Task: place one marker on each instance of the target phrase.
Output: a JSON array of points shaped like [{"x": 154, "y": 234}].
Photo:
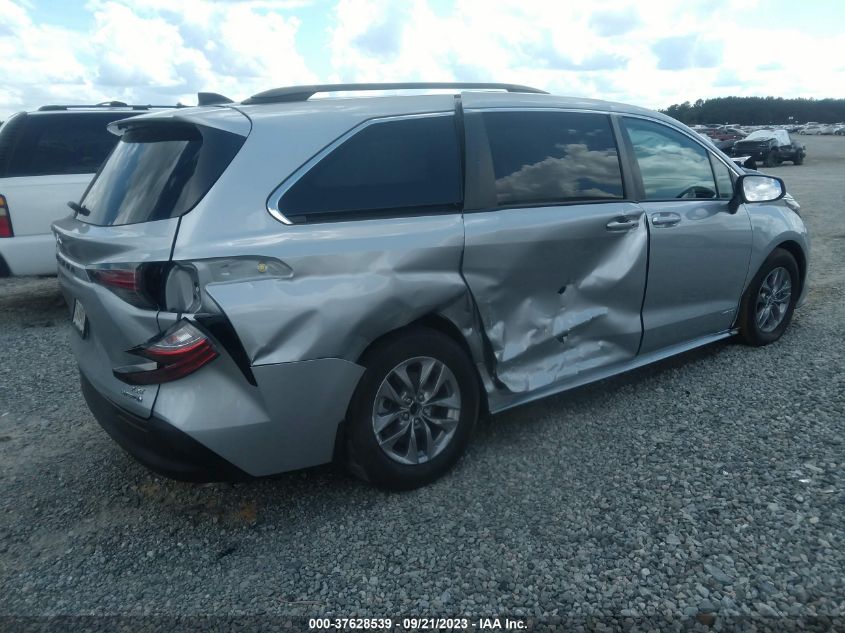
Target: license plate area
[{"x": 80, "y": 319}]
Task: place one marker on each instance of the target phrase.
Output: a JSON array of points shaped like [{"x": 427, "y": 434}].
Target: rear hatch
[{"x": 114, "y": 253}]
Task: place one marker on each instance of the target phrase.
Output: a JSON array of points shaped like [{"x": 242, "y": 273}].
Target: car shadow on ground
[{"x": 282, "y": 497}]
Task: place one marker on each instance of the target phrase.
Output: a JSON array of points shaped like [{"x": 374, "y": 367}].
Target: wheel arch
[
  {"x": 446, "y": 326},
  {"x": 793, "y": 248}
]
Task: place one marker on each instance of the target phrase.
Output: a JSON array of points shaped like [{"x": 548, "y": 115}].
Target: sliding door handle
[{"x": 622, "y": 224}]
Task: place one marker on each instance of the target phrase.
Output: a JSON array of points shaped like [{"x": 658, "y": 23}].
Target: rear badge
[{"x": 136, "y": 393}]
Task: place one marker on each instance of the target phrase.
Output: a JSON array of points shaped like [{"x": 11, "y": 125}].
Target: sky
[{"x": 651, "y": 54}]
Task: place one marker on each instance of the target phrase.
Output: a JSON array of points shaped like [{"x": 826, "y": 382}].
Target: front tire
[
  {"x": 769, "y": 302},
  {"x": 414, "y": 410}
]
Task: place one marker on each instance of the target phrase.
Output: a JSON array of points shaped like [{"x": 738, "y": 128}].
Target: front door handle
[
  {"x": 665, "y": 219},
  {"x": 622, "y": 223}
]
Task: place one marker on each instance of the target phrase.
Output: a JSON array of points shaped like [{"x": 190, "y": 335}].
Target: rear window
[
  {"x": 56, "y": 143},
  {"x": 158, "y": 171},
  {"x": 404, "y": 164}
]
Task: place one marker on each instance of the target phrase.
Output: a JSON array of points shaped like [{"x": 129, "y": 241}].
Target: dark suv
[{"x": 770, "y": 147}]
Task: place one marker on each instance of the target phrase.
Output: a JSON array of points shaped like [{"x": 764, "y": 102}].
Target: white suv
[{"x": 48, "y": 157}]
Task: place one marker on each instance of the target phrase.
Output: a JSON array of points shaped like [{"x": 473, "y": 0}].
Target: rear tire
[
  {"x": 799, "y": 159},
  {"x": 414, "y": 410},
  {"x": 769, "y": 301},
  {"x": 770, "y": 160}
]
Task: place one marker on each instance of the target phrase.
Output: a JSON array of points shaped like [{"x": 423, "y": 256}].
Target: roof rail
[
  {"x": 104, "y": 104},
  {"x": 303, "y": 93}
]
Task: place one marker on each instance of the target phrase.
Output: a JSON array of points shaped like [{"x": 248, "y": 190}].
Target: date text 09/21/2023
[{"x": 418, "y": 624}]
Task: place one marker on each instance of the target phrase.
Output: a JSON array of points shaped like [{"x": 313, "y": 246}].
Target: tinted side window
[
  {"x": 401, "y": 164},
  {"x": 724, "y": 182},
  {"x": 75, "y": 143},
  {"x": 672, "y": 165},
  {"x": 548, "y": 157}
]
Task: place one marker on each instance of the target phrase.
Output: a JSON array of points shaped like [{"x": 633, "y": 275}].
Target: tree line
[{"x": 758, "y": 110}]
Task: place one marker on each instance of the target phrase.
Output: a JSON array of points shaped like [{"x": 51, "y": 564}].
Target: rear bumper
[{"x": 158, "y": 445}]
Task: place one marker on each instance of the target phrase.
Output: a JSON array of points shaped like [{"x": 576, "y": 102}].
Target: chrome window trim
[{"x": 277, "y": 194}]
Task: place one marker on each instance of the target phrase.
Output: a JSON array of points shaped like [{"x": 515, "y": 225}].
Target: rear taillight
[
  {"x": 5, "y": 219},
  {"x": 180, "y": 351},
  {"x": 138, "y": 284}
]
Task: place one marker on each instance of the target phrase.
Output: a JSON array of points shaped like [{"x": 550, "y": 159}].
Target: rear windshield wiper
[{"x": 78, "y": 208}]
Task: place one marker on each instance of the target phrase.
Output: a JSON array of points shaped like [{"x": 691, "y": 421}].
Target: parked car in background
[
  {"x": 726, "y": 134},
  {"x": 839, "y": 130},
  {"x": 770, "y": 147},
  {"x": 268, "y": 286},
  {"x": 48, "y": 157},
  {"x": 725, "y": 146}
]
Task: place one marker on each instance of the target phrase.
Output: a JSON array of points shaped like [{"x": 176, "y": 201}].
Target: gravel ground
[{"x": 708, "y": 489}]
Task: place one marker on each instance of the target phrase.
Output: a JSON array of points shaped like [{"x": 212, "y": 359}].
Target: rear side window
[
  {"x": 158, "y": 171},
  {"x": 671, "y": 164},
  {"x": 549, "y": 157},
  {"x": 405, "y": 164},
  {"x": 56, "y": 143}
]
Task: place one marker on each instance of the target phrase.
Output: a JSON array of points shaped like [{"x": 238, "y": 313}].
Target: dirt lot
[{"x": 711, "y": 486}]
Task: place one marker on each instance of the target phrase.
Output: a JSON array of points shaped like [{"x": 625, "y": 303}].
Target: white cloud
[
  {"x": 651, "y": 54},
  {"x": 149, "y": 51}
]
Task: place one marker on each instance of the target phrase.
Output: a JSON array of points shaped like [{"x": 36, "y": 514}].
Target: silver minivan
[{"x": 269, "y": 285}]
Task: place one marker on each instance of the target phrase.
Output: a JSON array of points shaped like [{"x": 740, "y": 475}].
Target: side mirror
[{"x": 756, "y": 188}]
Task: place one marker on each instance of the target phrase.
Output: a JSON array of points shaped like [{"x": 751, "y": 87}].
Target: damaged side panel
[
  {"x": 369, "y": 278},
  {"x": 305, "y": 303},
  {"x": 559, "y": 294}
]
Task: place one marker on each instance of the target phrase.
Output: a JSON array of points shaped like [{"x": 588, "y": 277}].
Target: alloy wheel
[
  {"x": 773, "y": 299},
  {"x": 416, "y": 410}
]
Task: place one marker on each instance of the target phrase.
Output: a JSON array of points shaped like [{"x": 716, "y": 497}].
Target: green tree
[{"x": 758, "y": 110}]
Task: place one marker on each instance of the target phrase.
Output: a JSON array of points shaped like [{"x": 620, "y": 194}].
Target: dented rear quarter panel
[{"x": 351, "y": 283}]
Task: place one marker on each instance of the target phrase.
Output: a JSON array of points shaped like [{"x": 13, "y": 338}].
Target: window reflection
[
  {"x": 552, "y": 157},
  {"x": 579, "y": 173},
  {"x": 671, "y": 165}
]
